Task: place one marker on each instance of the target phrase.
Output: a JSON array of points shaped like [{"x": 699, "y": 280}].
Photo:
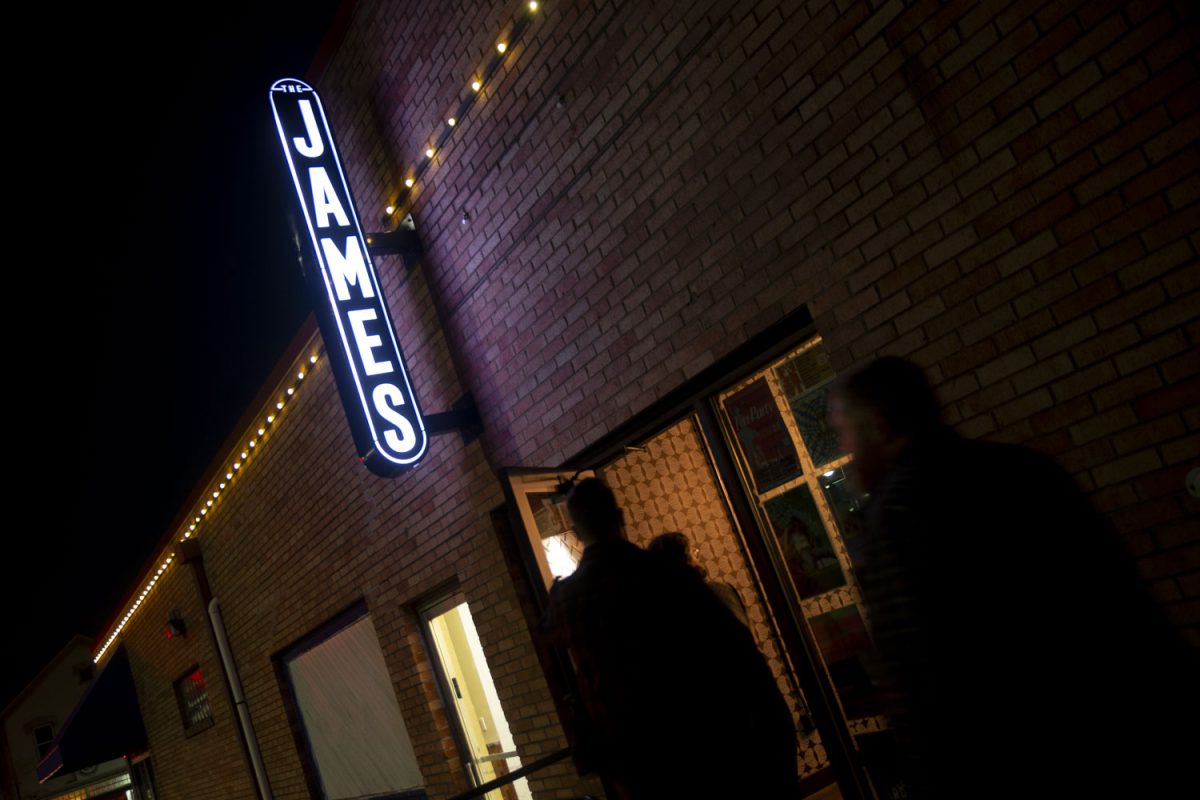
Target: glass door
[
  {"x": 793, "y": 469},
  {"x": 467, "y": 682}
]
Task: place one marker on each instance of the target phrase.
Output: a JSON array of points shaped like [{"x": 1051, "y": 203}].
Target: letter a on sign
[{"x": 355, "y": 324}]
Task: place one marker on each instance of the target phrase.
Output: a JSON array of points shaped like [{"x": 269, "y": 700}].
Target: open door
[{"x": 538, "y": 503}]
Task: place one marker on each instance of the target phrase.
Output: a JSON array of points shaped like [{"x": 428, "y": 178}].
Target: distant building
[
  {"x": 652, "y": 234},
  {"x": 35, "y": 717}
]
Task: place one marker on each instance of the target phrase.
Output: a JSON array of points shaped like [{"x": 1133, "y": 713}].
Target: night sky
[{"x": 152, "y": 284}]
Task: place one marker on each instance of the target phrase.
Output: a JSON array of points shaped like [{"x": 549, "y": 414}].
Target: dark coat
[
  {"x": 680, "y": 701},
  {"x": 1018, "y": 650}
]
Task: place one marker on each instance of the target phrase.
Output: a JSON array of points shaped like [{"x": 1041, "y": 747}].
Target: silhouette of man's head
[
  {"x": 594, "y": 511},
  {"x": 878, "y": 409},
  {"x": 675, "y": 546}
]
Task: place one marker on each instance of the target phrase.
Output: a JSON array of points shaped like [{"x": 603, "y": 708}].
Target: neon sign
[{"x": 369, "y": 366}]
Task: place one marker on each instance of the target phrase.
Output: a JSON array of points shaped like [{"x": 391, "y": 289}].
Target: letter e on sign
[{"x": 355, "y": 324}]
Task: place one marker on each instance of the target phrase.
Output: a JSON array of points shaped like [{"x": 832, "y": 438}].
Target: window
[
  {"x": 467, "y": 682},
  {"x": 356, "y": 737},
  {"x": 192, "y": 696},
  {"x": 43, "y": 738},
  {"x": 793, "y": 468}
]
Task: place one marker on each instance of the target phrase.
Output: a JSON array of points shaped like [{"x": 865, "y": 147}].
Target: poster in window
[
  {"x": 811, "y": 560},
  {"x": 763, "y": 436},
  {"x": 797, "y": 378},
  {"x": 842, "y": 638}
]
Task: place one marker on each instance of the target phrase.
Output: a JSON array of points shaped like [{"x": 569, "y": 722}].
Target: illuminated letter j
[{"x": 310, "y": 126}]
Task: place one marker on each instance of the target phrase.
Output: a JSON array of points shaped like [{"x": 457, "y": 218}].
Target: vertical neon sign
[{"x": 355, "y": 324}]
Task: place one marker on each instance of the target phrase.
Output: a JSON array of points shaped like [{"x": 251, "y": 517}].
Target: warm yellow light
[
  {"x": 279, "y": 405},
  {"x": 291, "y": 391},
  {"x": 236, "y": 465},
  {"x": 187, "y": 534},
  {"x": 476, "y": 85},
  {"x": 299, "y": 376},
  {"x": 408, "y": 182},
  {"x": 312, "y": 359},
  {"x": 192, "y": 527},
  {"x": 390, "y": 209},
  {"x": 451, "y": 122},
  {"x": 429, "y": 152},
  {"x": 203, "y": 511},
  {"x": 501, "y": 47},
  {"x": 261, "y": 431},
  {"x": 532, "y": 5},
  {"x": 228, "y": 476},
  {"x": 270, "y": 418},
  {"x": 244, "y": 455}
]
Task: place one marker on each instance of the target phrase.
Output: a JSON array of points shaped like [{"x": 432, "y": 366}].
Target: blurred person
[{"x": 1018, "y": 652}]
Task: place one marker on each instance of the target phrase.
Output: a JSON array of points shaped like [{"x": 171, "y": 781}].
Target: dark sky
[{"x": 151, "y": 284}]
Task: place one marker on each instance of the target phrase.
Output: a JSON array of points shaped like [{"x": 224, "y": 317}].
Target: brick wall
[{"x": 1004, "y": 192}]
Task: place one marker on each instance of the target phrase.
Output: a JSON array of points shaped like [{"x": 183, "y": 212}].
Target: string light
[
  {"x": 532, "y": 5},
  {"x": 390, "y": 210},
  {"x": 476, "y": 85},
  {"x": 429, "y": 152},
  {"x": 501, "y": 47},
  {"x": 451, "y": 122},
  {"x": 409, "y": 181}
]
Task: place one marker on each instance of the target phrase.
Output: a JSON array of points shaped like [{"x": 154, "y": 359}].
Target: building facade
[{"x": 653, "y": 233}]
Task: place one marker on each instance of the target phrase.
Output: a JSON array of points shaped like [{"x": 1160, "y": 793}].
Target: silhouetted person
[
  {"x": 1018, "y": 652},
  {"x": 674, "y": 545},
  {"x": 680, "y": 701}
]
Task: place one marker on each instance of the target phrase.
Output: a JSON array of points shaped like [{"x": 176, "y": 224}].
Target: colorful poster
[
  {"x": 763, "y": 436},
  {"x": 810, "y": 557}
]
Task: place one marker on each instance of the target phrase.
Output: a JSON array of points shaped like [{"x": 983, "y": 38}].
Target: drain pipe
[{"x": 239, "y": 699}]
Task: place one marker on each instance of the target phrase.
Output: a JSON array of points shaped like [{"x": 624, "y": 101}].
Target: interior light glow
[
  {"x": 501, "y": 47},
  {"x": 829, "y": 474},
  {"x": 476, "y": 85}
]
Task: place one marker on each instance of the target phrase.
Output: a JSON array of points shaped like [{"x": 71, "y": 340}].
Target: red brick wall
[{"x": 1004, "y": 192}]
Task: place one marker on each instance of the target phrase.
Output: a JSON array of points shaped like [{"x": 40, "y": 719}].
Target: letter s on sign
[{"x": 403, "y": 437}]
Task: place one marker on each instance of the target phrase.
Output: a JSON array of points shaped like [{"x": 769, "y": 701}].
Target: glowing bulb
[
  {"x": 270, "y": 418},
  {"x": 408, "y": 182},
  {"x": 187, "y": 535},
  {"x": 203, "y": 511},
  {"x": 209, "y": 503},
  {"x": 299, "y": 376},
  {"x": 390, "y": 210},
  {"x": 192, "y": 527},
  {"x": 532, "y": 5},
  {"x": 291, "y": 391},
  {"x": 312, "y": 359},
  {"x": 214, "y": 494},
  {"x": 429, "y": 152},
  {"x": 501, "y": 47},
  {"x": 476, "y": 85},
  {"x": 245, "y": 455},
  {"x": 197, "y": 519},
  {"x": 237, "y": 465},
  {"x": 451, "y": 122},
  {"x": 279, "y": 405}
]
